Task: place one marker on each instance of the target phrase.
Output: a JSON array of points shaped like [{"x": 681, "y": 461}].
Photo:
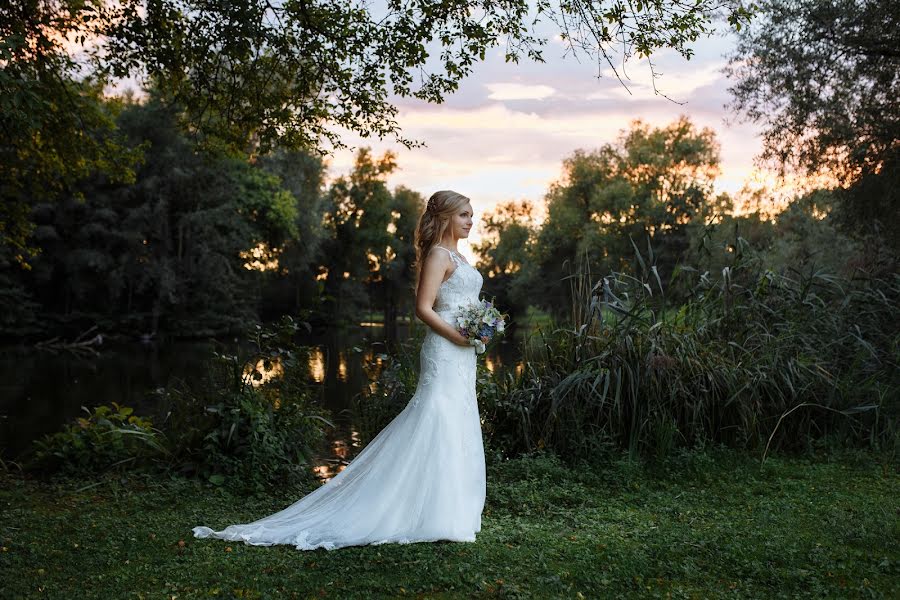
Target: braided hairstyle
[{"x": 433, "y": 223}]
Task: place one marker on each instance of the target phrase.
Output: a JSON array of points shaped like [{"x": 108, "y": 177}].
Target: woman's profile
[{"x": 422, "y": 478}]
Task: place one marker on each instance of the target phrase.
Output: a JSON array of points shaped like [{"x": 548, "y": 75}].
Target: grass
[
  {"x": 704, "y": 525},
  {"x": 537, "y": 318}
]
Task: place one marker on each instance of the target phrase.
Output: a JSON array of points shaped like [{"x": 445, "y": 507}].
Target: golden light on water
[
  {"x": 317, "y": 364},
  {"x": 326, "y": 471},
  {"x": 340, "y": 448},
  {"x": 342, "y": 367},
  {"x": 343, "y": 450},
  {"x": 374, "y": 262}
]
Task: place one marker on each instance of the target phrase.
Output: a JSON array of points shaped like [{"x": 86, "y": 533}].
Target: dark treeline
[
  {"x": 205, "y": 209},
  {"x": 206, "y": 243}
]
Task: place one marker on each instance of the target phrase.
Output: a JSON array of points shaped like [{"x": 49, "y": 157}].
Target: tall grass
[{"x": 751, "y": 356}]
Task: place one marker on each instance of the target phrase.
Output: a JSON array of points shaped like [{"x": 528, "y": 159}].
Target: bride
[{"x": 422, "y": 478}]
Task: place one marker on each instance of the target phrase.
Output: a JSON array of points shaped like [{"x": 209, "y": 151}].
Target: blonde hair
[{"x": 433, "y": 223}]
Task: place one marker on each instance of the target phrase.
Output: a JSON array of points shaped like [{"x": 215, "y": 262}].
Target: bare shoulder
[
  {"x": 437, "y": 259},
  {"x": 434, "y": 266}
]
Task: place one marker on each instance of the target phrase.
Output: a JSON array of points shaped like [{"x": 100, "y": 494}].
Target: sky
[{"x": 503, "y": 135}]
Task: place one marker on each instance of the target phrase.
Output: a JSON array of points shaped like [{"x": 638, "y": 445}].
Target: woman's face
[{"x": 461, "y": 222}]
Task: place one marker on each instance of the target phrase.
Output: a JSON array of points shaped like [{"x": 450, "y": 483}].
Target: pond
[{"x": 40, "y": 391}]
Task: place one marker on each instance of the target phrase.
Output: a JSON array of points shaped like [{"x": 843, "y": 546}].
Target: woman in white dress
[{"x": 422, "y": 478}]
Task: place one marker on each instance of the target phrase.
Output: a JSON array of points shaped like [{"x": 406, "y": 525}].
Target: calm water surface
[{"x": 41, "y": 390}]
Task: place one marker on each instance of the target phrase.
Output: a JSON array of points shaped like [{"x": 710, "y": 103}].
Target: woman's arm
[{"x": 434, "y": 268}]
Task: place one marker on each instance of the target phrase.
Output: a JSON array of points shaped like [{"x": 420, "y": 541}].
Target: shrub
[
  {"x": 748, "y": 347},
  {"x": 392, "y": 383},
  {"x": 108, "y": 437},
  {"x": 248, "y": 422}
]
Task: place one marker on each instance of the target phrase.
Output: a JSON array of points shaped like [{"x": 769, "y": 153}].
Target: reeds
[{"x": 751, "y": 358}]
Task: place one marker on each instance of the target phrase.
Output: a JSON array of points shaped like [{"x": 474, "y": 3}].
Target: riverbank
[{"x": 710, "y": 524}]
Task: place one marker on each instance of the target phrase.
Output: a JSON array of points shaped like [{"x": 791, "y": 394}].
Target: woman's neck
[{"x": 448, "y": 243}]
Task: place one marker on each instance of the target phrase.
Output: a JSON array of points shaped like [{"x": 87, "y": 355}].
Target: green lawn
[{"x": 712, "y": 524}]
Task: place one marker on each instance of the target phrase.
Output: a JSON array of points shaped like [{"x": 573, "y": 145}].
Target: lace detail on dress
[
  {"x": 462, "y": 287},
  {"x": 428, "y": 369}
]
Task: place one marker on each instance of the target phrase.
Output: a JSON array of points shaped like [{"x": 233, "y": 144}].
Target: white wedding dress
[{"x": 422, "y": 478}]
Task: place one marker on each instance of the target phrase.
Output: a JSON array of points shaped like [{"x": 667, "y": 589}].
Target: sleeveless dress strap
[{"x": 452, "y": 254}]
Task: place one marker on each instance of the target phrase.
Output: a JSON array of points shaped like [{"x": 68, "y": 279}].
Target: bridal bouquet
[{"x": 479, "y": 322}]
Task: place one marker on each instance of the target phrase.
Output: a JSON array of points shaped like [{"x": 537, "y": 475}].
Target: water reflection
[
  {"x": 342, "y": 366},
  {"x": 495, "y": 363},
  {"x": 317, "y": 365},
  {"x": 342, "y": 447},
  {"x": 40, "y": 392}
]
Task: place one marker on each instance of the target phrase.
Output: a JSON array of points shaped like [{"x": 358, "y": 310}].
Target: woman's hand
[{"x": 461, "y": 340}]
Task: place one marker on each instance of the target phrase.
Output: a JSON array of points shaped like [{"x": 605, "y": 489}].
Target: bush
[
  {"x": 803, "y": 358},
  {"x": 247, "y": 422},
  {"x": 108, "y": 437},
  {"x": 250, "y": 422},
  {"x": 392, "y": 383}
]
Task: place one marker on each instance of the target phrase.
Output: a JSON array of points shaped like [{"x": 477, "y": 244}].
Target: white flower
[
  {"x": 501, "y": 326},
  {"x": 479, "y": 346}
]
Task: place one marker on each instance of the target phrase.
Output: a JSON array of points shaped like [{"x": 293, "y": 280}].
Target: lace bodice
[{"x": 462, "y": 287}]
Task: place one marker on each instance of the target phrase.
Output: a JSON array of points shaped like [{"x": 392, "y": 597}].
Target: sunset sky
[{"x": 503, "y": 135}]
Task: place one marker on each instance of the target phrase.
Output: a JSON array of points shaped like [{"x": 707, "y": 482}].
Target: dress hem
[{"x": 300, "y": 544}]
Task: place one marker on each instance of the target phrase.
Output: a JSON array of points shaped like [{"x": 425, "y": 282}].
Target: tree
[
  {"x": 396, "y": 273},
  {"x": 292, "y": 286},
  {"x": 162, "y": 255},
  {"x": 357, "y": 217},
  {"x": 821, "y": 77},
  {"x": 652, "y": 183},
  {"x": 504, "y": 254},
  {"x": 257, "y": 74},
  {"x": 56, "y": 132},
  {"x": 288, "y": 71}
]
